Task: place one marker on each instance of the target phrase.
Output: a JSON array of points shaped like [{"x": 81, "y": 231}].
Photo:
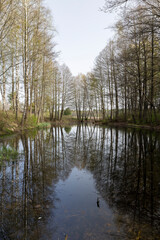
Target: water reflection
[{"x": 47, "y": 184}]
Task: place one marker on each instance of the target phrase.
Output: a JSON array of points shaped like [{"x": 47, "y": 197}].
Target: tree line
[
  {"x": 30, "y": 77},
  {"x": 124, "y": 83}
]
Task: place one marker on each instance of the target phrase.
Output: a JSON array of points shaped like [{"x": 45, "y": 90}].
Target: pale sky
[{"x": 81, "y": 31}]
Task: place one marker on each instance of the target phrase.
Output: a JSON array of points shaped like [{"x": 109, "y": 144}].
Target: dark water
[{"x": 81, "y": 183}]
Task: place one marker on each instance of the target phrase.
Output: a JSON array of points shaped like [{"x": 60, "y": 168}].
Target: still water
[{"x": 80, "y": 183}]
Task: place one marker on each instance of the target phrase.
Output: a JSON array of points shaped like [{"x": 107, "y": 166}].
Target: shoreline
[
  {"x": 132, "y": 125},
  {"x": 109, "y": 123},
  {"x": 70, "y": 122},
  {"x": 20, "y": 130}
]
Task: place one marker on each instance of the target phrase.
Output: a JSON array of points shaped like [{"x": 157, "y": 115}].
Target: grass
[
  {"x": 66, "y": 121},
  {"x": 9, "y": 124},
  {"x": 44, "y": 124}
]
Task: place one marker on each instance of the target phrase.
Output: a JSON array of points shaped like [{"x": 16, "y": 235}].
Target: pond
[{"x": 80, "y": 183}]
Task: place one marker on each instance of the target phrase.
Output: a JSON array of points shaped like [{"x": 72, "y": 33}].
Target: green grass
[
  {"x": 9, "y": 124},
  {"x": 43, "y": 125}
]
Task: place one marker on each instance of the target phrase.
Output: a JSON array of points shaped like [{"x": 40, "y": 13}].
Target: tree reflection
[
  {"x": 128, "y": 177},
  {"x": 125, "y": 165}
]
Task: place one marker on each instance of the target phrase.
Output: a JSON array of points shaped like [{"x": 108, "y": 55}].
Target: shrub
[
  {"x": 67, "y": 111},
  {"x": 32, "y": 121},
  {"x": 43, "y": 125},
  {"x": 67, "y": 129}
]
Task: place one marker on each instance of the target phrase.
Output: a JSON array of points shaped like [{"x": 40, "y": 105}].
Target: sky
[{"x": 82, "y": 31}]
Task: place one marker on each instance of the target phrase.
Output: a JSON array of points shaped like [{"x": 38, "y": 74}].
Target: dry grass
[{"x": 8, "y": 122}]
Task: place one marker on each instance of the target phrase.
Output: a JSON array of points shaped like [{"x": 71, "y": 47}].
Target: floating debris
[{"x": 98, "y": 204}]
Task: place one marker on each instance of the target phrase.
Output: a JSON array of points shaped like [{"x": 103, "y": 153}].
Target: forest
[
  {"x": 124, "y": 84},
  {"x": 79, "y": 155}
]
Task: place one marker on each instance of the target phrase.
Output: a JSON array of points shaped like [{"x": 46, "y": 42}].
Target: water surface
[{"x": 83, "y": 182}]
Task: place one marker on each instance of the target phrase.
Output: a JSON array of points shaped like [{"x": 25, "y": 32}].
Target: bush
[
  {"x": 67, "y": 111},
  {"x": 43, "y": 125},
  {"x": 32, "y": 121},
  {"x": 67, "y": 129}
]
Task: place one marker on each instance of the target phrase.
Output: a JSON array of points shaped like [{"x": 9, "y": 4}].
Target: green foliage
[
  {"x": 155, "y": 119},
  {"x": 10, "y": 97},
  {"x": 67, "y": 111},
  {"x": 1, "y": 125},
  {"x": 67, "y": 129},
  {"x": 8, "y": 153},
  {"x": 32, "y": 133},
  {"x": 44, "y": 124},
  {"x": 32, "y": 121},
  {"x": 7, "y": 131}
]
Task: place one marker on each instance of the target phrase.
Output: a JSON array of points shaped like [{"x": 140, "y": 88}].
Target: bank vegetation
[{"x": 123, "y": 86}]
